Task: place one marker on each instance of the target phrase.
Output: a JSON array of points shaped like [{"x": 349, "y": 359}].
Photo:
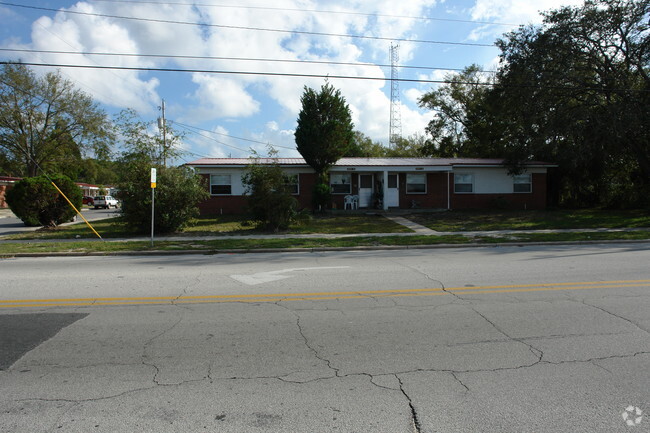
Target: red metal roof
[{"x": 363, "y": 162}]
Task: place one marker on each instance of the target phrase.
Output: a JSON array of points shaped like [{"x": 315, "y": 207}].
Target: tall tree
[
  {"x": 39, "y": 115},
  {"x": 363, "y": 146},
  {"x": 179, "y": 190},
  {"x": 576, "y": 91},
  {"x": 459, "y": 112},
  {"x": 325, "y": 130},
  {"x": 269, "y": 193}
]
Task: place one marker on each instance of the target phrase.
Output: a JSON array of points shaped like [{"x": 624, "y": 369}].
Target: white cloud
[
  {"x": 513, "y": 12},
  {"x": 413, "y": 95},
  {"x": 274, "y": 102},
  {"x": 221, "y": 97}
]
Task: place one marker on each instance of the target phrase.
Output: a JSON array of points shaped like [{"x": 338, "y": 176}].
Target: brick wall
[
  {"x": 435, "y": 198},
  {"x": 3, "y": 192},
  {"x": 236, "y": 204},
  {"x": 534, "y": 200}
]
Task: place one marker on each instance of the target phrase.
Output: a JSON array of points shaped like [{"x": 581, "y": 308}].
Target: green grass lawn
[
  {"x": 455, "y": 221},
  {"x": 230, "y": 244},
  {"x": 235, "y": 225},
  {"x": 342, "y": 224}
]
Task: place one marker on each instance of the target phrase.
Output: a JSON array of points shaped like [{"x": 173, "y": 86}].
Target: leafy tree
[
  {"x": 269, "y": 198},
  {"x": 143, "y": 138},
  {"x": 38, "y": 203},
  {"x": 363, "y": 146},
  {"x": 576, "y": 91},
  {"x": 178, "y": 190},
  {"x": 97, "y": 171},
  {"x": 413, "y": 146},
  {"x": 325, "y": 130},
  {"x": 46, "y": 122},
  {"x": 458, "y": 108}
]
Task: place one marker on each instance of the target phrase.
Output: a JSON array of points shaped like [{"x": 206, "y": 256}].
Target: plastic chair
[
  {"x": 347, "y": 200},
  {"x": 355, "y": 202}
]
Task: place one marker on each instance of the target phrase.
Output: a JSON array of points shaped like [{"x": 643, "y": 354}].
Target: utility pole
[
  {"x": 162, "y": 125},
  {"x": 395, "y": 132}
]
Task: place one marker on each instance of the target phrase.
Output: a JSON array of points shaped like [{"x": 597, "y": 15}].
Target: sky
[{"x": 231, "y": 73}]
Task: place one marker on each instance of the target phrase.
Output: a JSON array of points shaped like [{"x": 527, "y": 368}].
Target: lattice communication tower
[{"x": 395, "y": 114}]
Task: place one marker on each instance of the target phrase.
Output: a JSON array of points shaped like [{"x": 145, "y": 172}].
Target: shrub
[
  {"x": 321, "y": 196},
  {"x": 38, "y": 203},
  {"x": 178, "y": 193},
  {"x": 269, "y": 200}
]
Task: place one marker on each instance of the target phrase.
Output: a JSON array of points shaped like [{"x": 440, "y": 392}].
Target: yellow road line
[{"x": 275, "y": 297}]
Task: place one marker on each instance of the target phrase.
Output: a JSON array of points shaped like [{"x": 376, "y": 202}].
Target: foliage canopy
[
  {"x": 268, "y": 188},
  {"x": 574, "y": 91},
  {"x": 46, "y": 122},
  {"x": 38, "y": 203},
  {"x": 179, "y": 190},
  {"x": 324, "y": 132}
]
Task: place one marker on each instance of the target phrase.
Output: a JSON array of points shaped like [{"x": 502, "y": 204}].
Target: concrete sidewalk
[
  {"x": 5, "y": 212},
  {"x": 418, "y": 230}
]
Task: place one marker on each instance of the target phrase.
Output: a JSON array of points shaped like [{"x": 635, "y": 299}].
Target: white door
[
  {"x": 365, "y": 190},
  {"x": 392, "y": 199}
]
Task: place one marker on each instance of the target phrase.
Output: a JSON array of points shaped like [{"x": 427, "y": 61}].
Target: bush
[
  {"x": 178, "y": 193},
  {"x": 321, "y": 196},
  {"x": 38, "y": 203},
  {"x": 269, "y": 200}
]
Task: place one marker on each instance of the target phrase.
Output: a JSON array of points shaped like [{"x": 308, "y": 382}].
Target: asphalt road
[
  {"x": 11, "y": 225},
  {"x": 517, "y": 339}
]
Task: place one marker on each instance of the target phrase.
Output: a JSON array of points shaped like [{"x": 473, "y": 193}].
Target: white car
[{"x": 105, "y": 201}]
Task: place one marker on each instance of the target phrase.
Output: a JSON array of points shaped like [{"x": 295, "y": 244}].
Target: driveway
[{"x": 10, "y": 225}]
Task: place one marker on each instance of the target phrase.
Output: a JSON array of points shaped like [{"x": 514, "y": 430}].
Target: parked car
[
  {"x": 105, "y": 201},
  {"x": 88, "y": 200}
]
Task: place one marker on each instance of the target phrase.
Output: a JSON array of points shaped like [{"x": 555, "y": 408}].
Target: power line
[
  {"x": 213, "y": 139},
  {"x": 223, "y": 72},
  {"x": 325, "y": 76},
  {"x": 232, "y": 136},
  {"x": 247, "y": 59},
  {"x": 108, "y": 98},
  {"x": 375, "y": 15},
  {"x": 297, "y": 32}
]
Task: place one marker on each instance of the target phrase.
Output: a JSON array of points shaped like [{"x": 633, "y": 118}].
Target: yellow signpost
[{"x": 153, "y": 188}]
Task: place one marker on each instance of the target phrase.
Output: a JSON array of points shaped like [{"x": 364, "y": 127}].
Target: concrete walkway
[{"x": 418, "y": 230}]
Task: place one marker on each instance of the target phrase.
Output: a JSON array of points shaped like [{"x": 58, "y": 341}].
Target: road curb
[{"x": 316, "y": 249}]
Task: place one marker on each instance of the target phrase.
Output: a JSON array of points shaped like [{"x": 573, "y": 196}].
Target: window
[
  {"x": 291, "y": 183},
  {"x": 463, "y": 183},
  {"x": 341, "y": 183},
  {"x": 416, "y": 183},
  {"x": 365, "y": 181},
  {"x": 522, "y": 183},
  {"x": 220, "y": 184}
]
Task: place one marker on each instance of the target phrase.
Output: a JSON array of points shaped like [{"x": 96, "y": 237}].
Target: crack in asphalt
[
  {"x": 535, "y": 351},
  {"x": 414, "y": 414},
  {"x": 442, "y": 286},
  {"x": 144, "y": 355},
  {"x": 453, "y": 374},
  {"x": 597, "y": 358},
  {"x": 88, "y": 400},
  {"x": 57, "y": 424},
  {"x": 615, "y": 315},
  {"x": 306, "y": 340}
]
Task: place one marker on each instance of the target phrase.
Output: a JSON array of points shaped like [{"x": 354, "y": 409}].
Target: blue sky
[{"x": 235, "y": 112}]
